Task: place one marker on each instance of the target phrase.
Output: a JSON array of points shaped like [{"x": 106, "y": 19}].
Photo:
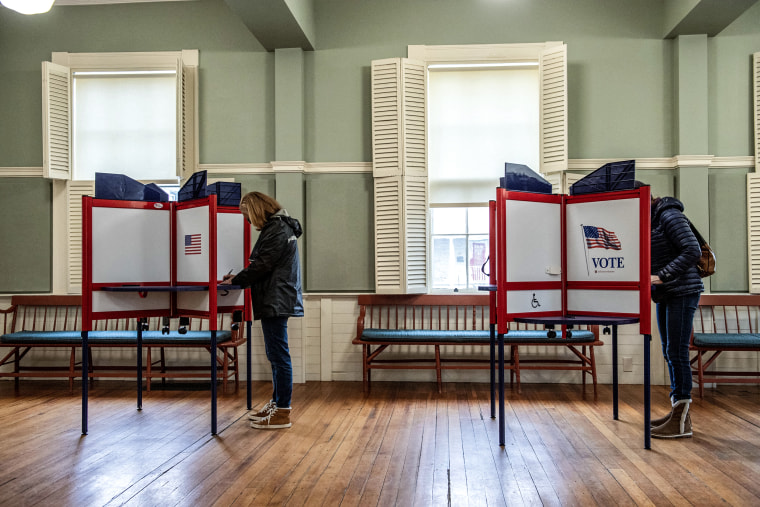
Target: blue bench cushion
[
  {"x": 113, "y": 337},
  {"x": 727, "y": 340},
  {"x": 469, "y": 336}
]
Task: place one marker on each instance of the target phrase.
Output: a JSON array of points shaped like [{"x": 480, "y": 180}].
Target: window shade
[{"x": 478, "y": 120}]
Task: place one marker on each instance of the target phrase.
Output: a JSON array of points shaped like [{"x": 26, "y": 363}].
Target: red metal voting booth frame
[
  {"x": 500, "y": 316},
  {"x": 172, "y": 286}
]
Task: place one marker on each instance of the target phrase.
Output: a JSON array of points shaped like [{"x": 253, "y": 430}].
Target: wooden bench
[
  {"x": 45, "y": 321},
  {"x": 725, "y": 323},
  {"x": 461, "y": 322}
]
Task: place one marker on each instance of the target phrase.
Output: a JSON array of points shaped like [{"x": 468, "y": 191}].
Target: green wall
[
  {"x": 622, "y": 104},
  {"x": 25, "y": 239}
]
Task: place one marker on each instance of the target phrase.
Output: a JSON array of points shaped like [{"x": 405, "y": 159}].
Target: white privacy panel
[
  {"x": 603, "y": 301},
  {"x": 603, "y": 241},
  {"x": 230, "y": 243},
  {"x": 103, "y": 301},
  {"x": 534, "y": 301},
  {"x": 192, "y": 244},
  {"x": 533, "y": 241},
  {"x": 131, "y": 245}
]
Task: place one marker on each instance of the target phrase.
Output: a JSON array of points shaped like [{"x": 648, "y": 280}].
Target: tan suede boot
[
  {"x": 662, "y": 420},
  {"x": 679, "y": 423}
]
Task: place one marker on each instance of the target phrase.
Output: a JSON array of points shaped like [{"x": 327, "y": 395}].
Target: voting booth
[
  {"x": 572, "y": 255},
  {"x": 161, "y": 259},
  {"x": 566, "y": 260}
]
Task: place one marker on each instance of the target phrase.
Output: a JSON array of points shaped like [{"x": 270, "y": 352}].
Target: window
[
  {"x": 479, "y": 117},
  {"x": 127, "y": 113},
  {"x": 401, "y": 153},
  {"x": 125, "y": 122},
  {"x": 458, "y": 248}
]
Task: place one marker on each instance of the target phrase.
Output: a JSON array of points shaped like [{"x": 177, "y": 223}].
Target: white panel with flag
[{"x": 193, "y": 244}]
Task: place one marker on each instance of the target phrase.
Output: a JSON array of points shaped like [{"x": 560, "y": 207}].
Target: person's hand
[
  {"x": 227, "y": 280},
  {"x": 656, "y": 280}
]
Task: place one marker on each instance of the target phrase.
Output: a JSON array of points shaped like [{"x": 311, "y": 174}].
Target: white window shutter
[
  {"x": 399, "y": 153},
  {"x": 415, "y": 228},
  {"x": 56, "y": 121},
  {"x": 74, "y": 192},
  {"x": 400, "y": 235},
  {"x": 187, "y": 133},
  {"x": 389, "y": 251},
  {"x": 553, "y": 109},
  {"x": 756, "y": 91},
  {"x": 753, "y": 232},
  {"x": 414, "y": 86},
  {"x": 386, "y": 117}
]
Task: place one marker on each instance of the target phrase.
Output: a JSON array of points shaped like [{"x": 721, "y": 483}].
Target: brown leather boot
[{"x": 679, "y": 423}]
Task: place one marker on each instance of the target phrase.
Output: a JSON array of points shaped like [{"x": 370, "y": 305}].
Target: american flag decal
[
  {"x": 596, "y": 237},
  {"x": 192, "y": 244}
]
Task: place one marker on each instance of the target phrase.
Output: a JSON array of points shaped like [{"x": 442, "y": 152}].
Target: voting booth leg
[
  {"x": 249, "y": 394},
  {"x": 140, "y": 323},
  {"x": 647, "y": 393},
  {"x": 493, "y": 370},
  {"x": 614, "y": 374},
  {"x": 85, "y": 380},
  {"x": 502, "y": 424},
  {"x": 213, "y": 382}
]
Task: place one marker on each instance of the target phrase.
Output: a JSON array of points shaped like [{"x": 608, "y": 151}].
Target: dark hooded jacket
[
  {"x": 675, "y": 251},
  {"x": 274, "y": 273}
]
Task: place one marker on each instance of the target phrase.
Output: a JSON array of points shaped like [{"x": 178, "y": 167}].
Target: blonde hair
[{"x": 258, "y": 207}]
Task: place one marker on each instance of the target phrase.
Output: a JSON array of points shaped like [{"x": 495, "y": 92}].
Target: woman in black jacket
[
  {"x": 274, "y": 276},
  {"x": 676, "y": 287}
]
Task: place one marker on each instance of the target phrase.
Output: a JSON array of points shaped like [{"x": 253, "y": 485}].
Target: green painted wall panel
[
  {"x": 25, "y": 235},
  {"x": 340, "y": 239}
]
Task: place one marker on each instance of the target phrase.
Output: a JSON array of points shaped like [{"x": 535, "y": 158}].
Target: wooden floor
[{"x": 403, "y": 445}]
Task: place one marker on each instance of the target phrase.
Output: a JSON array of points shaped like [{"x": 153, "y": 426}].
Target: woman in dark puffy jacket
[
  {"x": 676, "y": 287},
  {"x": 274, "y": 276}
]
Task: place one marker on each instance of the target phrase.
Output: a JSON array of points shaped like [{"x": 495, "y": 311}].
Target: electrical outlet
[{"x": 627, "y": 363}]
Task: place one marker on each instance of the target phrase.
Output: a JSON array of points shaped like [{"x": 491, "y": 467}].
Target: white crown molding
[
  {"x": 20, "y": 172},
  {"x": 479, "y": 52},
  {"x": 288, "y": 166},
  {"x": 338, "y": 167},
  {"x": 586, "y": 164}
]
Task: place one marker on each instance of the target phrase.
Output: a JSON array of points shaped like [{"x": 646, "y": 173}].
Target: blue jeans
[
  {"x": 675, "y": 318},
  {"x": 276, "y": 346}
]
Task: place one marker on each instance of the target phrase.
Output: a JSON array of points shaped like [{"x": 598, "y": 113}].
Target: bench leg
[
  {"x": 72, "y": 363},
  {"x": 365, "y": 368},
  {"x": 516, "y": 366},
  {"x": 148, "y": 369},
  {"x": 593, "y": 370},
  {"x": 700, "y": 375},
  {"x": 438, "y": 368}
]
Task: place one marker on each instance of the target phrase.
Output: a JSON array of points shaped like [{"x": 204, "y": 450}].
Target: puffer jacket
[
  {"x": 675, "y": 251},
  {"x": 274, "y": 273}
]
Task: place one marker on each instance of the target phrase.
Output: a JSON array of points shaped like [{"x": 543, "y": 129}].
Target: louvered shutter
[
  {"x": 56, "y": 121},
  {"x": 386, "y": 117},
  {"x": 415, "y": 227},
  {"x": 753, "y": 232},
  {"x": 74, "y": 192},
  {"x": 553, "y": 109},
  {"x": 187, "y": 132},
  {"x": 756, "y": 90},
  {"x": 389, "y": 258},
  {"x": 399, "y": 151}
]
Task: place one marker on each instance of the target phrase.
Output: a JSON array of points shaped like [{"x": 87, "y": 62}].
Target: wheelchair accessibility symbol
[{"x": 534, "y": 302}]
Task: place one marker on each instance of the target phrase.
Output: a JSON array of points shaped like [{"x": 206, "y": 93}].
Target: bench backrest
[
  {"x": 728, "y": 313},
  {"x": 428, "y": 311},
  {"x": 45, "y": 312}
]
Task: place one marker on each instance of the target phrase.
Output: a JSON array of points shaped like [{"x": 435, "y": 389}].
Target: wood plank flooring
[{"x": 403, "y": 445}]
